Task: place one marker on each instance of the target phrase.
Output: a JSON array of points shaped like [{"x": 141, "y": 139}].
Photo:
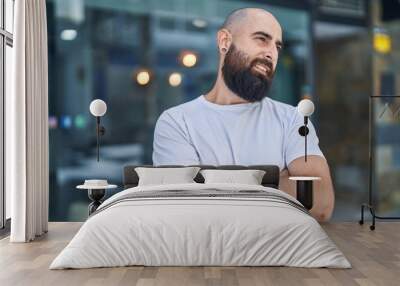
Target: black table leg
[
  {"x": 305, "y": 193},
  {"x": 96, "y": 195}
]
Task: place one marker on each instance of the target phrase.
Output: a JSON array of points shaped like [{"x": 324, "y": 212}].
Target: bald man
[{"x": 236, "y": 123}]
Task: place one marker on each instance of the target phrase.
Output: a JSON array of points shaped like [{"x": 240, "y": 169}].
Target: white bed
[{"x": 251, "y": 225}]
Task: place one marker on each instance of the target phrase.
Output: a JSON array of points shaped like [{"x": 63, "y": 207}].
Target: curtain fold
[{"x": 27, "y": 119}]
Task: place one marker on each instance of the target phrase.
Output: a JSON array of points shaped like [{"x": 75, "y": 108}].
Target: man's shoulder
[
  {"x": 282, "y": 111},
  {"x": 183, "y": 108},
  {"x": 279, "y": 105},
  {"x": 178, "y": 113}
]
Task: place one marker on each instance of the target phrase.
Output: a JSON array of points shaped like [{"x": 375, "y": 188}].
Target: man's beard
[{"x": 241, "y": 80}]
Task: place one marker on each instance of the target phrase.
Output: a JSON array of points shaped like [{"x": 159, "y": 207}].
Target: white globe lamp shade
[
  {"x": 98, "y": 107},
  {"x": 305, "y": 107}
]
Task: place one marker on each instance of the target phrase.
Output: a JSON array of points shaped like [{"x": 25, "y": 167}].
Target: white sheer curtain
[{"x": 27, "y": 169}]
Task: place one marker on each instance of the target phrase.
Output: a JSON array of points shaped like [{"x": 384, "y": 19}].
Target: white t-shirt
[{"x": 259, "y": 133}]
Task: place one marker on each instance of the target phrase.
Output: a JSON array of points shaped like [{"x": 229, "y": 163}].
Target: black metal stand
[
  {"x": 370, "y": 204},
  {"x": 96, "y": 195}
]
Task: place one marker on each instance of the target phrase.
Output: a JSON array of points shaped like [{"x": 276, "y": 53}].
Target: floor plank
[{"x": 374, "y": 255}]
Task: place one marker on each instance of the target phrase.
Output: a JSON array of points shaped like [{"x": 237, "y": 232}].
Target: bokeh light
[
  {"x": 175, "y": 79},
  {"x": 143, "y": 77},
  {"x": 189, "y": 60},
  {"x": 382, "y": 42}
]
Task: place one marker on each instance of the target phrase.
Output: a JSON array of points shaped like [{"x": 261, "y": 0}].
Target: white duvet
[{"x": 182, "y": 231}]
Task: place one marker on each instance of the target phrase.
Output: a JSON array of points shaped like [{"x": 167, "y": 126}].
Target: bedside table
[{"x": 96, "y": 192}]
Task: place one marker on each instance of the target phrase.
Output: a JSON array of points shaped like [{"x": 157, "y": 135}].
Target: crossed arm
[
  {"x": 324, "y": 198},
  {"x": 171, "y": 147}
]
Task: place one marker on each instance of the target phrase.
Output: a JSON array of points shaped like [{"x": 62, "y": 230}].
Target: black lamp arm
[
  {"x": 303, "y": 131},
  {"x": 100, "y": 131}
]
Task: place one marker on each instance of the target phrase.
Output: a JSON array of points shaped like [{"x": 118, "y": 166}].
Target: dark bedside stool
[
  {"x": 96, "y": 192},
  {"x": 304, "y": 190}
]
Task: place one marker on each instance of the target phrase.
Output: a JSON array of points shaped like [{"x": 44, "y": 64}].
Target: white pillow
[
  {"x": 249, "y": 177},
  {"x": 163, "y": 176}
]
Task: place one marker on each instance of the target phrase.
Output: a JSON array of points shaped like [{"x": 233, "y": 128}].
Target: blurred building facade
[{"x": 143, "y": 57}]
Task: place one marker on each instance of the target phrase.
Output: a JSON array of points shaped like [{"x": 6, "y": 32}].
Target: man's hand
[{"x": 316, "y": 166}]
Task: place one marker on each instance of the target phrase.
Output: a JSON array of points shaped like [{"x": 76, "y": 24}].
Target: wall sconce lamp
[
  {"x": 306, "y": 109},
  {"x": 98, "y": 108}
]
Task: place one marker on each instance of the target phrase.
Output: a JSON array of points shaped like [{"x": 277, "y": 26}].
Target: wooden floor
[{"x": 375, "y": 257}]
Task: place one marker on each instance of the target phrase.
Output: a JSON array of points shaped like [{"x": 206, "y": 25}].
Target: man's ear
[{"x": 224, "y": 40}]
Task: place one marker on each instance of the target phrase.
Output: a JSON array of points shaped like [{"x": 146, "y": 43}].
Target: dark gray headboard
[{"x": 270, "y": 179}]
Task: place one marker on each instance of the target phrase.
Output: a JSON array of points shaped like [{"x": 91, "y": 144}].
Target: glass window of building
[{"x": 6, "y": 63}]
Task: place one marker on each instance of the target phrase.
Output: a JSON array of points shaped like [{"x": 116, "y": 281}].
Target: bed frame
[{"x": 270, "y": 179}]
